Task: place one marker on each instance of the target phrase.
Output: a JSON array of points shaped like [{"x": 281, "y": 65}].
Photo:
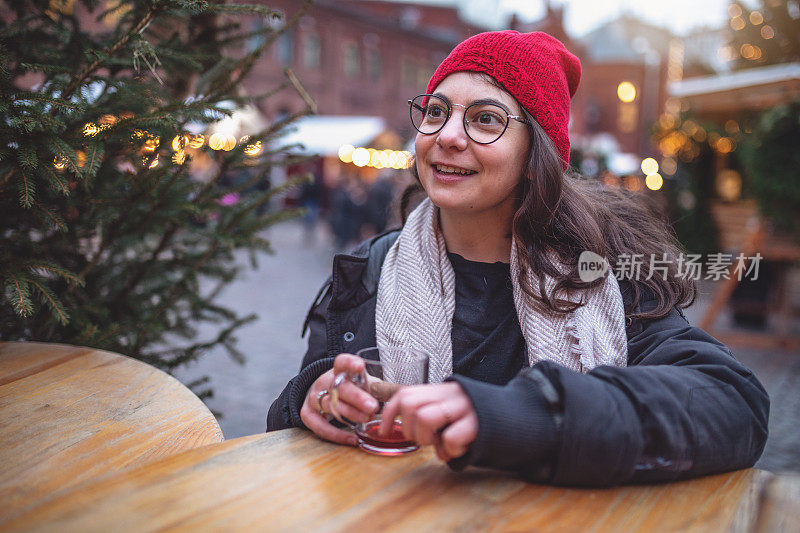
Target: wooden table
[
  {"x": 70, "y": 414},
  {"x": 291, "y": 481}
]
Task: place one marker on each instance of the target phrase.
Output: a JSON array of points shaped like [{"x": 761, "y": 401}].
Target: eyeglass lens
[{"x": 483, "y": 122}]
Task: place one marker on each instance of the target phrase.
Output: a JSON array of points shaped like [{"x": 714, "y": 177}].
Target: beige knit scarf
[{"x": 416, "y": 301}]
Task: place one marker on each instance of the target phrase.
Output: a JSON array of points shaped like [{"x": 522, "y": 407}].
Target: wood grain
[
  {"x": 291, "y": 481},
  {"x": 68, "y": 414}
]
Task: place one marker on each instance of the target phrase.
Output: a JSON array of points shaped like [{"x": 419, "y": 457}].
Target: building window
[
  {"x": 286, "y": 48},
  {"x": 258, "y": 40},
  {"x": 312, "y": 51},
  {"x": 352, "y": 60},
  {"x": 374, "y": 64}
]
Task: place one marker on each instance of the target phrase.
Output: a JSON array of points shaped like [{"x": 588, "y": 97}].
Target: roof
[
  {"x": 735, "y": 80},
  {"x": 324, "y": 135},
  {"x": 625, "y": 39}
]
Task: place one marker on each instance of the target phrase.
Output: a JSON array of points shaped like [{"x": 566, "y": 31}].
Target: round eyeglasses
[{"x": 484, "y": 121}]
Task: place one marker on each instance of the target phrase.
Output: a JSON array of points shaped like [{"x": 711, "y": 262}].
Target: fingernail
[{"x": 372, "y": 404}]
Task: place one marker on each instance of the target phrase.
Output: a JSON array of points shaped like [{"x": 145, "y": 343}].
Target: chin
[{"x": 450, "y": 202}]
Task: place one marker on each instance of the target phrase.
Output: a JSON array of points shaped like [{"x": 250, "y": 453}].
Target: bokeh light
[
  {"x": 654, "y": 181},
  {"x": 626, "y": 91}
]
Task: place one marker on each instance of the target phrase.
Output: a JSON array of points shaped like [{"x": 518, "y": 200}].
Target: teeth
[{"x": 453, "y": 170}]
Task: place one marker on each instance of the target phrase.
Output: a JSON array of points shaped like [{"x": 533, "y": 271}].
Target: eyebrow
[{"x": 479, "y": 101}]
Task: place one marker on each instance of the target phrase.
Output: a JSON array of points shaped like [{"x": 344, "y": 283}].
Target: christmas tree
[
  {"x": 769, "y": 34},
  {"x": 115, "y": 203}
]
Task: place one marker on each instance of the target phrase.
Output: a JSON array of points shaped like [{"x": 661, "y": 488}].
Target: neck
[{"x": 477, "y": 237}]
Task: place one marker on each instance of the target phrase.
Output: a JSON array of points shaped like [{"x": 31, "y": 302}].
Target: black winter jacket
[{"x": 683, "y": 406}]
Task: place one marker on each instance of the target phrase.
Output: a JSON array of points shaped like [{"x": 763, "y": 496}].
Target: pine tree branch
[
  {"x": 77, "y": 80},
  {"x": 168, "y": 301},
  {"x": 111, "y": 235},
  {"x": 55, "y": 304},
  {"x": 165, "y": 240},
  {"x": 310, "y": 103}
]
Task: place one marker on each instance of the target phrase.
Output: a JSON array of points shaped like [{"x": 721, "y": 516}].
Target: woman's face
[{"x": 494, "y": 169}]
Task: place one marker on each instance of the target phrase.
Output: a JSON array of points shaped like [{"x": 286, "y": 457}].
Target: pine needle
[
  {"x": 52, "y": 300},
  {"x": 20, "y": 294}
]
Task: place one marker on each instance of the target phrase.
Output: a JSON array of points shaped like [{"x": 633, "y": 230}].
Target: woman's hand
[
  {"x": 354, "y": 403},
  {"x": 441, "y": 415}
]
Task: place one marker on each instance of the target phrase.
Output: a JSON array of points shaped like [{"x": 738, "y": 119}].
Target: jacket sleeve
[
  {"x": 285, "y": 410},
  {"x": 683, "y": 407}
]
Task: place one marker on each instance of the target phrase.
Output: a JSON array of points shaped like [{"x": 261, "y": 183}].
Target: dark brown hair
[{"x": 561, "y": 214}]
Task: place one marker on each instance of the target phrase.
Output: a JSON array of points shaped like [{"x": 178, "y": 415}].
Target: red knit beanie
[{"x": 535, "y": 68}]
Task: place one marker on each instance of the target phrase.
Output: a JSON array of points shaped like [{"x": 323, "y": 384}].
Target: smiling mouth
[{"x": 444, "y": 169}]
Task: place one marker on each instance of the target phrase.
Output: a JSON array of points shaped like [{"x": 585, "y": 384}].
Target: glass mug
[{"x": 386, "y": 371}]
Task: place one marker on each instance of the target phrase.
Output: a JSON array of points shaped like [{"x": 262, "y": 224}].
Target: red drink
[{"x": 392, "y": 444}]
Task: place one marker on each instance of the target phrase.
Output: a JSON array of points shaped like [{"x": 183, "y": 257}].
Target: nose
[{"x": 453, "y": 135}]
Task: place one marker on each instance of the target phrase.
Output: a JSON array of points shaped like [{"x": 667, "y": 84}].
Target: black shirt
[{"x": 487, "y": 340}]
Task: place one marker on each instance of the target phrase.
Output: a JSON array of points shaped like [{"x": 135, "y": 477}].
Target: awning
[
  {"x": 324, "y": 135},
  {"x": 751, "y": 89}
]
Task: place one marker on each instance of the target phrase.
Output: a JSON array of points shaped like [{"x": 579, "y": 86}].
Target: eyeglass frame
[{"x": 464, "y": 120}]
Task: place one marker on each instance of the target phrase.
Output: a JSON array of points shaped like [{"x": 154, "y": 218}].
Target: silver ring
[{"x": 320, "y": 395}]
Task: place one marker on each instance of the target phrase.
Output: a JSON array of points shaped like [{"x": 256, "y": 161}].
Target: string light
[
  {"x": 738, "y": 23},
  {"x": 59, "y": 163},
  {"x": 90, "y": 129},
  {"x": 767, "y": 32},
  {"x": 361, "y": 157},
  {"x": 654, "y": 181},
  {"x": 217, "y": 141},
  {"x": 151, "y": 143},
  {"x": 649, "y": 166},
  {"x": 370, "y": 157},
  {"x": 756, "y": 18},
  {"x": 179, "y": 157},
  {"x": 179, "y": 142},
  {"x": 253, "y": 149},
  {"x": 346, "y": 153},
  {"x": 230, "y": 142},
  {"x": 197, "y": 141}
]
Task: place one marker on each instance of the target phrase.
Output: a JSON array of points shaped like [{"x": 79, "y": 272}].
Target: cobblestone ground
[{"x": 283, "y": 286}]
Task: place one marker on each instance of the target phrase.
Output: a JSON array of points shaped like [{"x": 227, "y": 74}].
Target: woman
[{"x": 536, "y": 367}]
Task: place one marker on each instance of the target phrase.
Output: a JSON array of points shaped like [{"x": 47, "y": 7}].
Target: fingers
[
  {"x": 432, "y": 418},
  {"x": 455, "y": 440},
  {"x": 319, "y": 424},
  {"x": 430, "y": 411},
  {"x": 345, "y": 362},
  {"x": 323, "y": 429}
]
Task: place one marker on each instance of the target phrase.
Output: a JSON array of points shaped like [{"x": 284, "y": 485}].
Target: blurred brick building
[
  {"x": 623, "y": 50},
  {"x": 359, "y": 58},
  {"x": 367, "y": 57}
]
